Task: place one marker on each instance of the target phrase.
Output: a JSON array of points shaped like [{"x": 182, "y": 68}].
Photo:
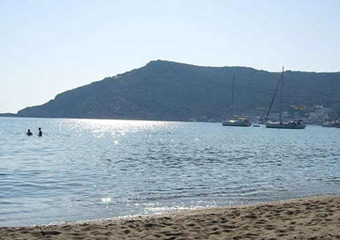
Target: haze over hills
[{"x": 164, "y": 90}]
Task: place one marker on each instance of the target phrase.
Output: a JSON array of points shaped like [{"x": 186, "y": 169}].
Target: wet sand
[{"x": 308, "y": 218}]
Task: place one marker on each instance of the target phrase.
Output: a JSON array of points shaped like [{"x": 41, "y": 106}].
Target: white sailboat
[
  {"x": 291, "y": 124},
  {"x": 236, "y": 120}
]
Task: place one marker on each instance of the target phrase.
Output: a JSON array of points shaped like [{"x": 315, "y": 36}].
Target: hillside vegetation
[{"x": 164, "y": 90}]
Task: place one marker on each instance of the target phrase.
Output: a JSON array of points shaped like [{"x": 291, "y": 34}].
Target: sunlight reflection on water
[{"x": 90, "y": 169}]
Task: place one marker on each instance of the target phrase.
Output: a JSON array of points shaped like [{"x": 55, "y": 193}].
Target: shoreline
[{"x": 302, "y": 218}]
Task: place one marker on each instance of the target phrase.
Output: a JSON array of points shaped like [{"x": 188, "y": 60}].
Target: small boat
[
  {"x": 256, "y": 125},
  {"x": 291, "y": 124},
  {"x": 333, "y": 124},
  {"x": 235, "y": 120}
]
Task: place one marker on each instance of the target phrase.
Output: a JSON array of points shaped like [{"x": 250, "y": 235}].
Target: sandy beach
[{"x": 308, "y": 218}]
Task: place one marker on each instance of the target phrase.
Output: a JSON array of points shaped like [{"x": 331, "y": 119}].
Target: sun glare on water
[{"x": 99, "y": 127}]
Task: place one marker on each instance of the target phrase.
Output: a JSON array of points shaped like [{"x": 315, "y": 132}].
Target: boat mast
[
  {"x": 232, "y": 97},
  {"x": 281, "y": 94},
  {"x": 272, "y": 101}
]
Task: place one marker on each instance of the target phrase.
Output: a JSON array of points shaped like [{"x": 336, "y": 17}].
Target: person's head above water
[{"x": 40, "y": 132}]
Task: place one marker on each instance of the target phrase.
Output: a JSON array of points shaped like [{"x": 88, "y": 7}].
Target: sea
[{"x": 82, "y": 169}]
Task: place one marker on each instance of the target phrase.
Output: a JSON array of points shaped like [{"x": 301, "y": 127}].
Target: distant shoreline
[
  {"x": 120, "y": 119},
  {"x": 303, "y": 218},
  {"x": 8, "y": 115}
]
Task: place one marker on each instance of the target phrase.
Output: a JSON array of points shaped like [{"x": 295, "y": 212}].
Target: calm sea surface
[{"x": 94, "y": 169}]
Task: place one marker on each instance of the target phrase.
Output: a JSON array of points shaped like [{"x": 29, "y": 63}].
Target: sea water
[{"x": 96, "y": 169}]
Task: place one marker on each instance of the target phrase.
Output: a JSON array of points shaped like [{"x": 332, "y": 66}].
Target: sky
[{"x": 50, "y": 46}]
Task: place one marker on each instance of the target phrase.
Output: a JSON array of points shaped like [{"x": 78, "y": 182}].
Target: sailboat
[
  {"x": 291, "y": 124},
  {"x": 235, "y": 120}
]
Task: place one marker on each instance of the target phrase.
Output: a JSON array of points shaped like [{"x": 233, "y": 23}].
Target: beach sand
[{"x": 309, "y": 218}]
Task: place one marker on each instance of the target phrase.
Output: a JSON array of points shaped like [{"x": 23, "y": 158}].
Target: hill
[{"x": 164, "y": 90}]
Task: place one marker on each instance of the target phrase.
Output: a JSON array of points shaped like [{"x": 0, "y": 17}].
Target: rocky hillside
[{"x": 164, "y": 90}]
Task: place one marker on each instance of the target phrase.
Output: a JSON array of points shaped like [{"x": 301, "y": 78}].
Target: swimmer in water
[
  {"x": 29, "y": 133},
  {"x": 40, "y": 132}
]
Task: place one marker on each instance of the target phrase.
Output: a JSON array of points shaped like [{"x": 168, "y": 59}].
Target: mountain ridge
[{"x": 166, "y": 90}]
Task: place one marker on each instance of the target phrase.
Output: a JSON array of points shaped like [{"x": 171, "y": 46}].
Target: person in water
[
  {"x": 40, "y": 132},
  {"x": 29, "y": 133}
]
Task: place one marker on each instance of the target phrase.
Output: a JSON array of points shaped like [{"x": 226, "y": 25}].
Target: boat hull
[
  {"x": 236, "y": 124},
  {"x": 285, "y": 125},
  {"x": 331, "y": 124}
]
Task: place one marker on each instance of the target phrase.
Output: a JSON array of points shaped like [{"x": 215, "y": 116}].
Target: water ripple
[{"x": 92, "y": 169}]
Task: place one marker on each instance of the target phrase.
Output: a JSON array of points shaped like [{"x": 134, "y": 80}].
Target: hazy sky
[{"x": 47, "y": 47}]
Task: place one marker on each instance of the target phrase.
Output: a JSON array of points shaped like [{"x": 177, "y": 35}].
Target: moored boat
[
  {"x": 291, "y": 124},
  {"x": 334, "y": 124},
  {"x": 235, "y": 120}
]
